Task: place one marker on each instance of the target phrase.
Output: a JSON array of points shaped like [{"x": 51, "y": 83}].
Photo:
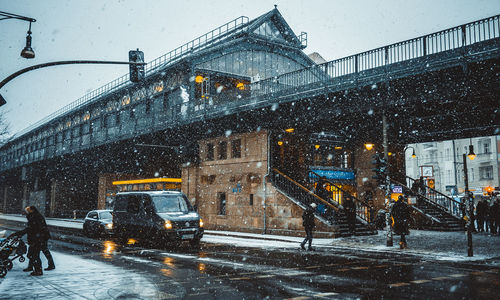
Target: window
[
  {"x": 222, "y": 203},
  {"x": 210, "y": 151},
  {"x": 222, "y": 150},
  {"x": 486, "y": 172},
  {"x": 92, "y": 215},
  {"x": 236, "y": 148},
  {"x": 148, "y": 107},
  {"x": 117, "y": 119},
  {"x": 486, "y": 147},
  {"x": 251, "y": 199},
  {"x": 133, "y": 205}
]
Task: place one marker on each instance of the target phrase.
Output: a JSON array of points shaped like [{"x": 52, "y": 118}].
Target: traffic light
[
  {"x": 379, "y": 168},
  {"x": 137, "y": 73}
]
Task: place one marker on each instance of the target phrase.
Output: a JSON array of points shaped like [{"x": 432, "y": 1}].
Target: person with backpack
[{"x": 308, "y": 222}]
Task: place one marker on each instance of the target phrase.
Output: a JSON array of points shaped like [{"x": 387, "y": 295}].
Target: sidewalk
[
  {"x": 76, "y": 278},
  {"x": 432, "y": 245}
]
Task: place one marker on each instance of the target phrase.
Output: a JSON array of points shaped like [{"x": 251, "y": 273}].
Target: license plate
[{"x": 188, "y": 236}]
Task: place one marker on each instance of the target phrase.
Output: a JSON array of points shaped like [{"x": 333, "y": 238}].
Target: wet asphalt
[{"x": 220, "y": 271}]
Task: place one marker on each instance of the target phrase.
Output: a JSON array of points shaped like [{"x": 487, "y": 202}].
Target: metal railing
[
  {"x": 445, "y": 40},
  {"x": 363, "y": 209},
  {"x": 302, "y": 194},
  {"x": 432, "y": 196}
]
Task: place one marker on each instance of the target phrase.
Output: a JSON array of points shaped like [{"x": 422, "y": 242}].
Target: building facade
[{"x": 443, "y": 162}]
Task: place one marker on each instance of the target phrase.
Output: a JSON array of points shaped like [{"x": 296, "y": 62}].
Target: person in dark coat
[
  {"x": 308, "y": 222},
  {"x": 400, "y": 215},
  {"x": 481, "y": 213},
  {"x": 494, "y": 212},
  {"x": 38, "y": 235},
  {"x": 350, "y": 211}
]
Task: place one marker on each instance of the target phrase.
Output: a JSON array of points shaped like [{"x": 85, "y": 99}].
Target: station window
[
  {"x": 222, "y": 151},
  {"x": 251, "y": 199},
  {"x": 236, "y": 148},
  {"x": 210, "y": 151},
  {"x": 221, "y": 197}
]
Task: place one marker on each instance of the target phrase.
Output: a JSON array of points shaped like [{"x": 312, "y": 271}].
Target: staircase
[
  {"x": 333, "y": 214},
  {"x": 438, "y": 211}
]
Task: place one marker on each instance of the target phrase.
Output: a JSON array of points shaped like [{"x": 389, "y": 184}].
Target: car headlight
[
  {"x": 201, "y": 222},
  {"x": 109, "y": 226},
  {"x": 168, "y": 224}
]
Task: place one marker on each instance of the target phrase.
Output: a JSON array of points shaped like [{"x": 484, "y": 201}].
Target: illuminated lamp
[
  {"x": 471, "y": 154},
  {"x": 316, "y": 146},
  {"x": 240, "y": 86},
  {"x": 369, "y": 146},
  {"x": 289, "y": 130},
  {"x": 280, "y": 143},
  {"x": 199, "y": 79},
  {"x": 338, "y": 148}
]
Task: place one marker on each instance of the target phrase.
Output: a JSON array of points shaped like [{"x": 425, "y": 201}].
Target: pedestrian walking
[
  {"x": 308, "y": 222},
  {"x": 350, "y": 210},
  {"x": 38, "y": 235},
  {"x": 481, "y": 212},
  {"x": 400, "y": 216},
  {"x": 495, "y": 217}
]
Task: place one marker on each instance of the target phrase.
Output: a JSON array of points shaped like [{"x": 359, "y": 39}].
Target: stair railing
[
  {"x": 363, "y": 210},
  {"x": 433, "y": 197},
  {"x": 302, "y": 194}
]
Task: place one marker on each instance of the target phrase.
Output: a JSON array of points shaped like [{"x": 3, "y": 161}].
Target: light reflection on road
[{"x": 109, "y": 249}]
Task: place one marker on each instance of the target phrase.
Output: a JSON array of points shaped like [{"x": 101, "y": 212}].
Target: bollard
[{"x": 74, "y": 215}]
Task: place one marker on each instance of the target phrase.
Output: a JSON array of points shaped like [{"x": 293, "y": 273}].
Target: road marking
[
  {"x": 440, "y": 278},
  {"x": 458, "y": 275},
  {"x": 420, "y": 281},
  {"x": 264, "y": 276},
  {"x": 326, "y": 294},
  {"x": 360, "y": 268},
  {"x": 312, "y": 267},
  {"x": 298, "y": 298},
  {"x": 343, "y": 270},
  {"x": 398, "y": 284}
]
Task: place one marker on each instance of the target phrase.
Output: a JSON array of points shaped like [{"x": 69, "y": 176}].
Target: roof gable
[{"x": 273, "y": 26}]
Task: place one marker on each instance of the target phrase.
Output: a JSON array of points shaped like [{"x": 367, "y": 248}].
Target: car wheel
[{"x": 86, "y": 231}]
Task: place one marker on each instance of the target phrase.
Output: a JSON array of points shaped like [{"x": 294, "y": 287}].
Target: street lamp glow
[
  {"x": 471, "y": 154},
  {"x": 369, "y": 146}
]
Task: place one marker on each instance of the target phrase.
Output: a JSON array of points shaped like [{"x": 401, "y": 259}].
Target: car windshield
[
  {"x": 105, "y": 215},
  {"x": 171, "y": 203}
]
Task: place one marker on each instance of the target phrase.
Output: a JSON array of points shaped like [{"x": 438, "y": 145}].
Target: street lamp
[
  {"x": 27, "y": 52},
  {"x": 413, "y": 155},
  {"x": 470, "y": 210}
]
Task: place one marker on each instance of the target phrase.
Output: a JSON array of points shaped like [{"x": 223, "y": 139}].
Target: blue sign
[{"x": 332, "y": 174}]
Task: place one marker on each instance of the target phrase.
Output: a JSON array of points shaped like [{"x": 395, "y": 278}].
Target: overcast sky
[{"x": 107, "y": 30}]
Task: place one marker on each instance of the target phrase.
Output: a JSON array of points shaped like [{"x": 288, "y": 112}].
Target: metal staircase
[
  {"x": 438, "y": 211},
  {"x": 329, "y": 211}
]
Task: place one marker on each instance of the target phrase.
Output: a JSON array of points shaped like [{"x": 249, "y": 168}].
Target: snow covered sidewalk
[{"x": 75, "y": 278}]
